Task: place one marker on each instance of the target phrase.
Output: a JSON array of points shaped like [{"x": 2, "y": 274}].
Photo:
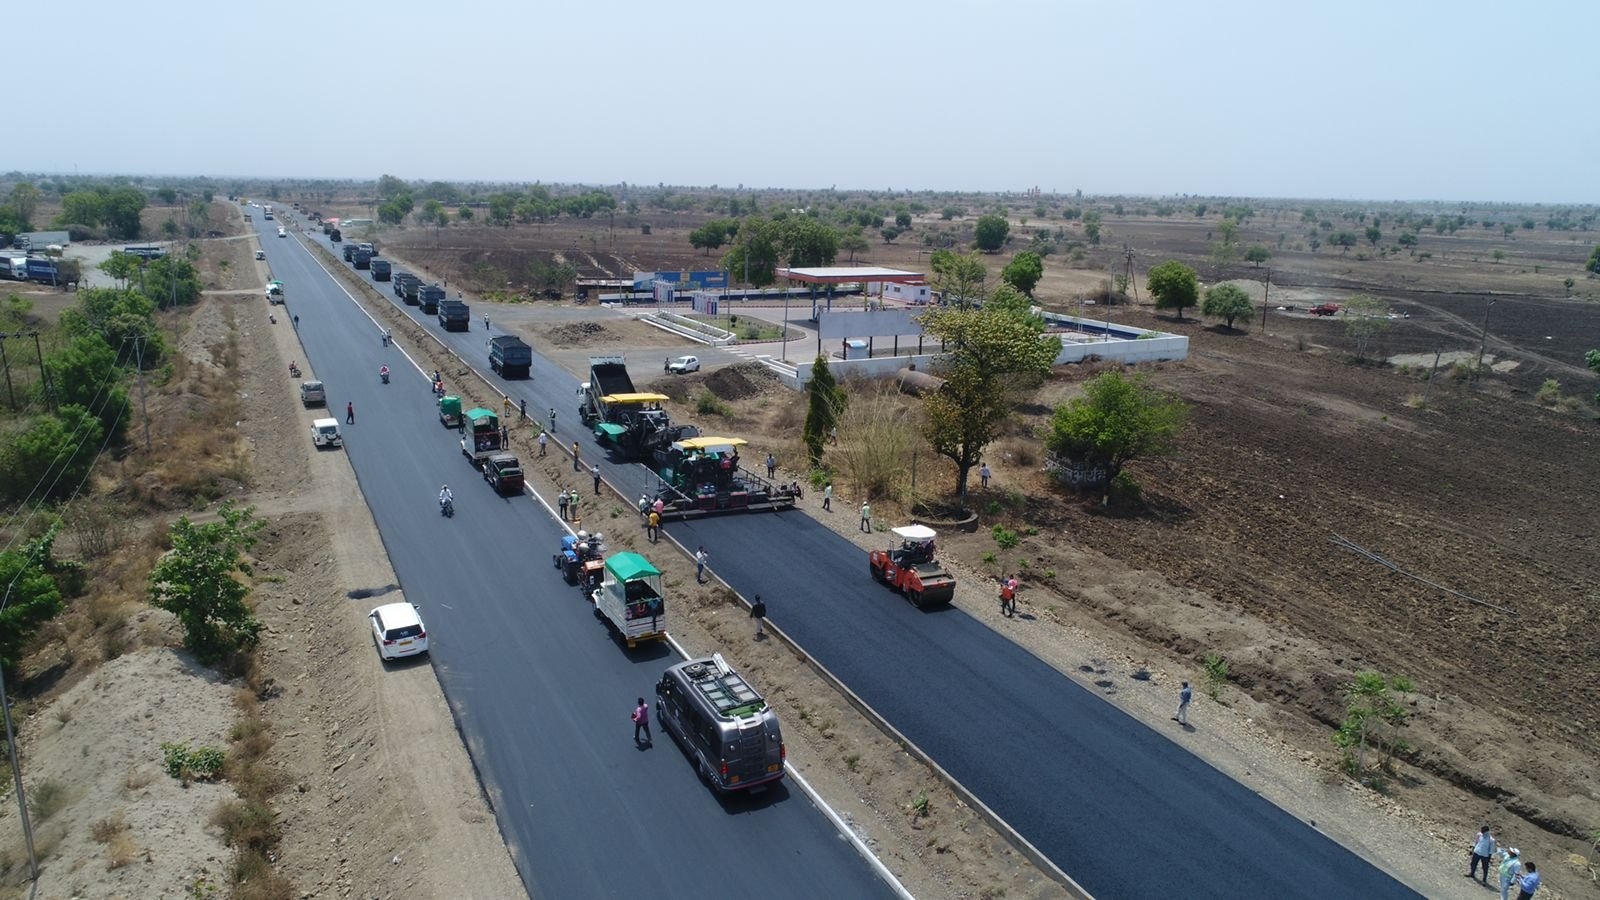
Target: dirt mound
[
  {"x": 740, "y": 382},
  {"x": 578, "y": 334}
]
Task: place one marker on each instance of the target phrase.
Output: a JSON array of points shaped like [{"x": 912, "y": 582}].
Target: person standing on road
[
  {"x": 576, "y": 466},
  {"x": 485, "y": 315},
  {"x": 666, "y": 366},
  {"x": 652, "y": 529},
  {"x": 350, "y": 413},
  {"x": 660, "y": 506},
  {"x": 594, "y": 472},
  {"x": 507, "y": 399},
  {"x": 1482, "y": 852},
  {"x": 644, "y": 507},
  {"x": 827, "y": 497},
  {"x": 552, "y": 419},
  {"x": 522, "y": 408},
  {"x": 542, "y": 440},
  {"x": 561, "y": 503},
  {"x": 572, "y": 507},
  {"x": 641, "y": 723},
  {"x": 700, "y": 557},
  {"x": 1185, "y": 695},
  {"x": 758, "y": 611},
  {"x": 983, "y": 476},
  {"x": 505, "y": 437},
  {"x": 866, "y": 517},
  {"x": 772, "y": 465},
  {"x": 1510, "y": 869},
  {"x": 1529, "y": 882}
]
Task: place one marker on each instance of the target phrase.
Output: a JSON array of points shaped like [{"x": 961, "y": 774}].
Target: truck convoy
[
  {"x": 510, "y": 356},
  {"x": 429, "y": 295},
  {"x": 404, "y": 285},
  {"x": 380, "y": 269},
  {"x": 723, "y": 724},
  {"x": 630, "y": 598}
]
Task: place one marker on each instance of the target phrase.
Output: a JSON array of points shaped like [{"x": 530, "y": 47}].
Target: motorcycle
[
  {"x": 384, "y": 375},
  {"x": 294, "y": 370},
  {"x": 447, "y": 508}
]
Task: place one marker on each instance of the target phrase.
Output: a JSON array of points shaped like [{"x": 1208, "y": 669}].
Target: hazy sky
[{"x": 1373, "y": 100}]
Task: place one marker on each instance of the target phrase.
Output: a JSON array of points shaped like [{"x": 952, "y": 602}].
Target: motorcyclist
[
  {"x": 445, "y": 497},
  {"x": 383, "y": 372}
]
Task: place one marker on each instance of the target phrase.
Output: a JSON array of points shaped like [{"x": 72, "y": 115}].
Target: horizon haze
[{"x": 1419, "y": 102}]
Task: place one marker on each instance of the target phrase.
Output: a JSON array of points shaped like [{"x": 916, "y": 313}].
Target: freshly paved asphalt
[
  {"x": 1120, "y": 807},
  {"x": 540, "y": 689}
]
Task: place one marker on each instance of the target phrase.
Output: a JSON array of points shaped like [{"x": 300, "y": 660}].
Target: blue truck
[{"x": 510, "y": 356}]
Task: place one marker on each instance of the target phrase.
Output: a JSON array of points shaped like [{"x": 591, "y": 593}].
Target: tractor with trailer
[
  {"x": 911, "y": 568},
  {"x": 701, "y": 475},
  {"x": 630, "y": 598},
  {"x": 481, "y": 439},
  {"x": 1325, "y": 309},
  {"x": 582, "y": 560}
]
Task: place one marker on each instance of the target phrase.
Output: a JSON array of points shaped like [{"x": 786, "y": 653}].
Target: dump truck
[
  {"x": 405, "y": 287},
  {"x": 911, "y": 569},
  {"x": 380, "y": 269},
  {"x": 482, "y": 436},
  {"x": 428, "y": 295},
  {"x": 362, "y": 259},
  {"x": 631, "y": 600},
  {"x": 510, "y": 356},
  {"x": 454, "y": 315},
  {"x": 628, "y": 419}
]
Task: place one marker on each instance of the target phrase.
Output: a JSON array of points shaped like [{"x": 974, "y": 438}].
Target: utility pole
[
  {"x": 44, "y": 374},
  {"x": 1266, "y": 294},
  {"x": 144, "y": 410},
  {"x": 6, "y": 362},
  {"x": 1483, "y": 341},
  {"x": 16, "y": 774},
  {"x": 1127, "y": 271},
  {"x": 1429, "y": 386}
]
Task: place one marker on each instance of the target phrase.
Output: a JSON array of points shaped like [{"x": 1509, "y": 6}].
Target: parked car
[
  {"x": 325, "y": 433},
  {"x": 261, "y": 254},
  {"x": 313, "y": 394},
  {"x": 683, "y": 365},
  {"x": 282, "y": 233},
  {"x": 397, "y": 631}
]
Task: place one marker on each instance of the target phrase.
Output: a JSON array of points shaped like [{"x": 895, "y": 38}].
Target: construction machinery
[
  {"x": 701, "y": 475},
  {"x": 911, "y": 568},
  {"x": 623, "y": 417}
]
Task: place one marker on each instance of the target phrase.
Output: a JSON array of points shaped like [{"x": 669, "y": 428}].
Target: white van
[{"x": 325, "y": 433}]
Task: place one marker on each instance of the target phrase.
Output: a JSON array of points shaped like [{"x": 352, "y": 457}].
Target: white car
[
  {"x": 261, "y": 254},
  {"x": 325, "y": 433},
  {"x": 684, "y": 365},
  {"x": 397, "y": 631},
  {"x": 282, "y": 233}
]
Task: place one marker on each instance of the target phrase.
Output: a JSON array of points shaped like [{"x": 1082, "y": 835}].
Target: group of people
[
  {"x": 567, "y": 503},
  {"x": 1512, "y": 869}
]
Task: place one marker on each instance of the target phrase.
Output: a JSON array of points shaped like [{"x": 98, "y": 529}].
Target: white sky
[{"x": 1420, "y": 99}]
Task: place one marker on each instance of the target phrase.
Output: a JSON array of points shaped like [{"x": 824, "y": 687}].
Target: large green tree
[
  {"x": 85, "y": 373},
  {"x": 1119, "y": 419},
  {"x": 32, "y": 596},
  {"x": 853, "y": 242},
  {"x": 958, "y": 277},
  {"x": 51, "y": 457},
  {"x": 1024, "y": 271},
  {"x": 1227, "y": 302},
  {"x": 1174, "y": 285},
  {"x": 990, "y": 352},
  {"x": 825, "y": 403},
  {"x": 990, "y": 232},
  {"x": 198, "y": 581},
  {"x": 712, "y": 235}
]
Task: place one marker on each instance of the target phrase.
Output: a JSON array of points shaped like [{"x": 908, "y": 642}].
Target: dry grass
[
  {"x": 880, "y": 444},
  {"x": 113, "y": 832},
  {"x": 246, "y": 824}
]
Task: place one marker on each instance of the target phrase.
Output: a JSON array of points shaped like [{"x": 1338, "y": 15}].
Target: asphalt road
[
  {"x": 1120, "y": 807},
  {"x": 540, "y": 689}
]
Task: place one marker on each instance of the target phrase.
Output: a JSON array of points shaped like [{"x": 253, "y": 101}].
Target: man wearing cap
[{"x": 1510, "y": 868}]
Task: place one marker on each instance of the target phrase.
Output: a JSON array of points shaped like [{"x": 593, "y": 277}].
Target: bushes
[{"x": 197, "y": 764}]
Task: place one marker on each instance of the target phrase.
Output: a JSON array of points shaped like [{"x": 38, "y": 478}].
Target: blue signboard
[{"x": 708, "y": 279}]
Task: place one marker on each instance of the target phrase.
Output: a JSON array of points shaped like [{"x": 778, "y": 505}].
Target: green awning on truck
[{"x": 630, "y": 566}]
